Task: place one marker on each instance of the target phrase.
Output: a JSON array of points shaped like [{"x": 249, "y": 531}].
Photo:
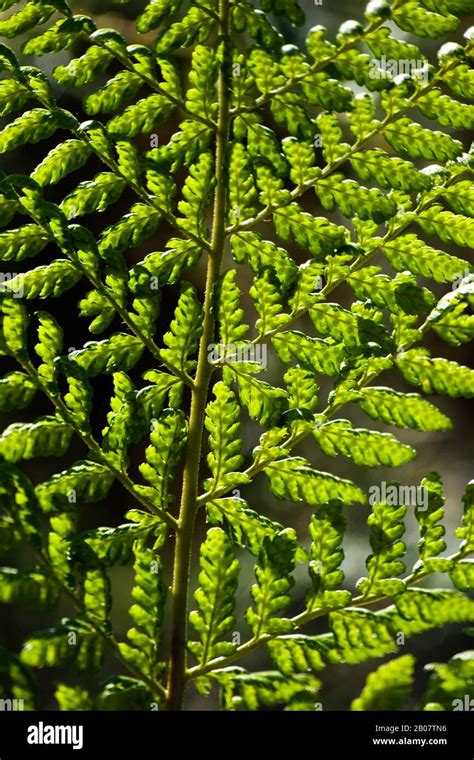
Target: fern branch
[
  {"x": 307, "y": 617},
  {"x": 138, "y": 190},
  {"x": 314, "y": 69},
  {"x": 148, "y": 80},
  {"x": 107, "y": 636},
  {"x": 266, "y": 213},
  {"x": 188, "y": 508},
  {"x": 148, "y": 342},
  {"x": 360, "y": 261},
  {"x": 111, "y": 642},
  {"x": 295, "y": 438},
  {"x": 92, "y": 444}
]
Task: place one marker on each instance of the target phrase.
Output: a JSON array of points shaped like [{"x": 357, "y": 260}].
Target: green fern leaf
[
  {"x": 196, "y": 25},
  {"x": 34, "y": 126},
  {"x": 385, "y": 563},
  {"x": 96, "y": 595},
  {"x": 436, "y": 375},
  {"x": 130, "y": 231},
  {"x": 270, "y": 594},
  {"x": 269, "y": 689},
  {"x": 162, "y": 456},
  {"x": 460, "y": 197},
  {"x": 201, "y": 96},
  {"x": 409, "y": 252},
  {"x": 83, "y": 482},
  {"x": 124, "y": 693},
  {"x": 142, "y": 116},
  {"x": 364, "y": 447},
  {"x": 94, "y": 195},
  {"x": 316, "y": 234},
  {"x": 242, "y": 192},
  {"x": 120, "y": 352},
  {"x": 31, "y": 588},
  {"x": 387, "y": 687},
  {"x": 215, "y": 597},
  {"x": 65, "y": 158},
  {"x": 311, "y": 353},
  {"x": 73, "y": 641},
  {"x": 14, "y": 326},
  {"x": 27, "y": 18},
  {"x": 22, "y": 243},
  {"x": 71, "y": 698},
  {"x": 247, "y": 528},
  {"x": 293, "y": 479},
  {"x": 462, "y": 575},
  {"x": 264, "y": 402},
  {"x": 419, "y": 610},
  {"x": 115, "y": 545},
  {"x": 359, "y": 635},
  {"x": 49, "y": 346},
  {"x": 48, "y": 436},
  {"x": 223, "y": 423},
  {"x": 43, "y": 282},
  {"x": 407, "y": 410},
  {"x": 429, "y": 516},
  {"x": 412, "y": 140},
  {"x": 352, "y": 198},
  {"x": 185, "y": 330},
  {"x": 450, "y": 685},
  {"x": 154, "y": 13},
  {"x": 123, "y": 86},
  {"x": 197, "y": 195},
  {"x": 413, "y": 18},
  {"x": 389, "y": 171},
  {"x": 266, "y": 296},
  {"x": 13, "y": 96},
  {"x": 16, "y": 391},
  {"x": 61, "y": 36},
  {"x": 461, "y": 81},
  {"x": 466, "y": 531},
  {"x": 83, "y": 70},
  {"x": 262, "y": 254},
  {"x": 452, "y": 228},
  {"x": 229, "y": 312},
  {"x": 296, "y": 653},
  {"x": 149, "y": 595},
  {"x": 327, "y": 530}
]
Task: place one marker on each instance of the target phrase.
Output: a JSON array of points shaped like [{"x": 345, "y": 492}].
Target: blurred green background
[{"x": 450, "y": 454}]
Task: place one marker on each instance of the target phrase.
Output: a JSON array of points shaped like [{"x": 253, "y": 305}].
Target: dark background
[{"x": 450, "y": 453}]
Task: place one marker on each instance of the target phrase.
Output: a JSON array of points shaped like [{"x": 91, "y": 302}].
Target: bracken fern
[{"x": 260, "y": 128}]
